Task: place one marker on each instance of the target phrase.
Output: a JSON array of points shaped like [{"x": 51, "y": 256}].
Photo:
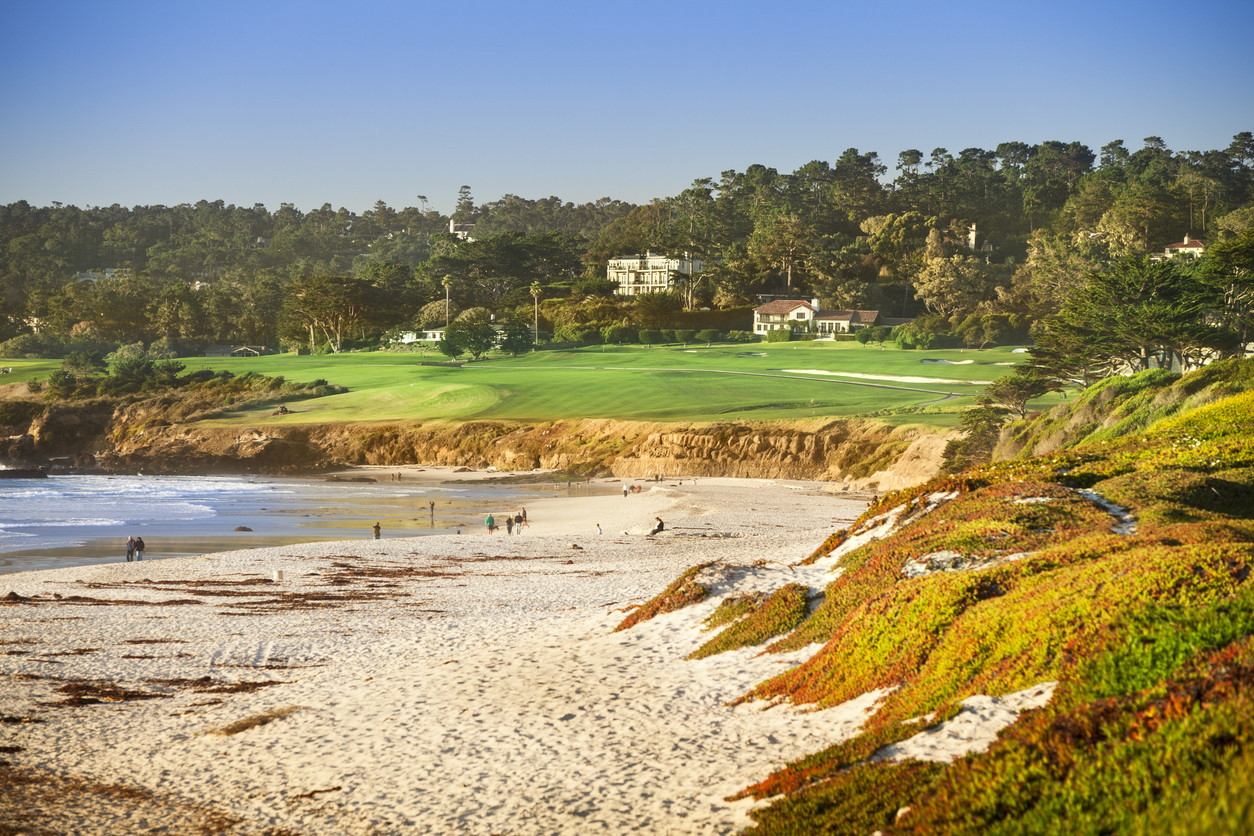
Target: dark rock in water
[
  {"x": 242, "y": 528},
  {"x": 351, "y": 479},
  {"x": 24, "y": 473}
]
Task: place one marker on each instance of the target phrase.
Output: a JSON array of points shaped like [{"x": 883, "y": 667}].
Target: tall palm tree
[{"x": 535, "y": 293}]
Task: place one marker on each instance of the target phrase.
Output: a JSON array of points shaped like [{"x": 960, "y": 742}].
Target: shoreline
[{"x": 442, "y": 683}]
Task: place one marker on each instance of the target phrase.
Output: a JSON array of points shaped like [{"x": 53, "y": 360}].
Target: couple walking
[
  {"x": 516, "y": 521},
  {"x": 134, "y": 548}
]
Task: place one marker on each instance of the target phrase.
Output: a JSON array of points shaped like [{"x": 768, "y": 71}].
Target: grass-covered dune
[{"x": 1119, "y": 569}]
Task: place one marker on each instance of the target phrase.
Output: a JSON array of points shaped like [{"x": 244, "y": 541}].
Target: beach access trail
[{"x": 442, "y": 684}]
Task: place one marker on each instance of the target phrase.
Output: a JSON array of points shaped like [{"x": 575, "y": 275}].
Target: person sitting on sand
[{"x": 660, "y": 525}]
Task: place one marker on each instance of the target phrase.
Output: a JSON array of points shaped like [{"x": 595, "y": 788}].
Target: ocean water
[{"x": 85, "y": 519}]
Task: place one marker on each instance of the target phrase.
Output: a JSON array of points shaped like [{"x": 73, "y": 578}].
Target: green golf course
[{"x": 754, "y": 381}]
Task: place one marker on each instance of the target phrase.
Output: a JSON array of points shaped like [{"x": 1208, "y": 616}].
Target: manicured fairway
[
  {"x": 755, "y": 381},
  {"x": 725, "y": 382}
]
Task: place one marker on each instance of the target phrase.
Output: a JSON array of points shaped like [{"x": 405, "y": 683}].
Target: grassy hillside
[
  {"x": 1120, "y": 569},
  {"x": 1119, "y": 406},
  {"x": 725, "y": 382}
]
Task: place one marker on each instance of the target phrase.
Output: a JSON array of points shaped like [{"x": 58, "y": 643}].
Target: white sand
[
  {"x": 895, "y": 378},
  {"x": 488, "y": 696}
]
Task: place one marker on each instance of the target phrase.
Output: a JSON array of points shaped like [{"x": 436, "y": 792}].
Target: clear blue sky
[{"x": 351, "y": 102}]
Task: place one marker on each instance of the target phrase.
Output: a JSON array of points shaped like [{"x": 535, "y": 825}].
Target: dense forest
[{"x": 982, "y": 241}]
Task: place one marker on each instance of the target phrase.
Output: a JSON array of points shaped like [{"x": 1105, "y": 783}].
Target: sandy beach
[{"x": 444, "y": 684}]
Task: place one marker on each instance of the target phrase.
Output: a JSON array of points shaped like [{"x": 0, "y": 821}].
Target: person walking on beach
[
  {"x": 130, "y": 548},
  {"x": 518, "y": 521},
  {"x": 139, "y": 548},
  {"x": 624, "y": 491},
  {"x": 509, "y": 525},
  {"x": 490, "y": 522},
  {"x": 523, "y": 514},
  {"x": 375, "y": 528}
]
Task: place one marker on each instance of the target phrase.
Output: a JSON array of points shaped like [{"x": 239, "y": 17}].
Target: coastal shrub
[
  {"x": 1150, "y": 635},
  {"x": 860, "y": 800},
  {"x": 683, "y": 591},
  {"x": 18, "y": 413},
  {"x": 1151, "y": 643},
  {"x": 831, "y": 762},
  {"x": 761, "y": 619},
  {"x": 1119, "y": 765},
  {"x": 732, "y": 608}
]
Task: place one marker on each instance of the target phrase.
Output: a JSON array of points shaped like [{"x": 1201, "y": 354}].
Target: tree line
[{"x": 1045, "y": 217}]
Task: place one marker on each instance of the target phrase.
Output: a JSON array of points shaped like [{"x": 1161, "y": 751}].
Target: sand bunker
[{"x": 890, "y": 377}]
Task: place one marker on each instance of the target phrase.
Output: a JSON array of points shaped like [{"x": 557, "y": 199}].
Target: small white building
[
  {"x": 649, "y": 273},
  {"x": 108, "y": 274},
  {"x": 1189, "y": 248},
  {"x": 409, "y": 337},
  {"x": 462, "y": 231}
]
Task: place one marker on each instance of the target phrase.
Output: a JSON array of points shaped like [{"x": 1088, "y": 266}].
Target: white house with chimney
[{"x": 1188, "y": 248}]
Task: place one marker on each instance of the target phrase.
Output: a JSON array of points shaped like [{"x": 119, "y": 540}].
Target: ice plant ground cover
[{"x": 1148, "y": 629}]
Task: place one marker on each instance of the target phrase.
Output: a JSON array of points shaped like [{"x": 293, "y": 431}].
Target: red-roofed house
[
  {"x": 1191, "y": 247},
  {"x": 798, "y": 315}
]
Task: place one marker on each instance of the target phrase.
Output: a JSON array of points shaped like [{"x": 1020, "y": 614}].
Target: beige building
[
  {"x": 800, "y": 316},
  {"x": 649, "y": 273}
]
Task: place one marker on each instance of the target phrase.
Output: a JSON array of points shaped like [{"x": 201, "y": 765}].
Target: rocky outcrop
[
  {"x": 837, "y": 451},
  {"x": 147, "y": 437}
]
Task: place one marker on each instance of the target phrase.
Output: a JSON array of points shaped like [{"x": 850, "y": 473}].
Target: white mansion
[{"x": 649, "y": 273}]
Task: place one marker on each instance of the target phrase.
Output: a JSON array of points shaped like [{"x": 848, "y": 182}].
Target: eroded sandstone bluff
[{"x": 140, "y": 437}]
